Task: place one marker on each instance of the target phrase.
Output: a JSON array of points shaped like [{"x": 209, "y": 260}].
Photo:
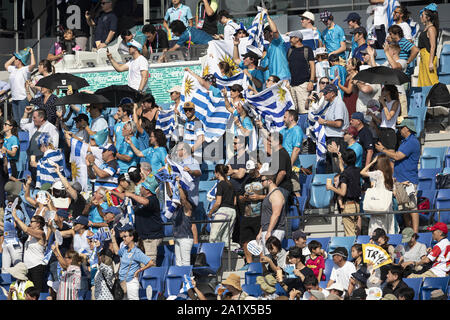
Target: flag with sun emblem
[
  {"x": 78, "y": 150},
  {"x": 271, "y": 104}
]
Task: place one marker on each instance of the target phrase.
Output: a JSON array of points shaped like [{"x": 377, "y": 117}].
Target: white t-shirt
[
  {"x": 404, "y": 64},
  {"x": 440, "y": 256},
  {"x": 363, "y": 98},
  {"x": 407, "y": 34},
  {"x": 134, "y": 71},
  {"x": 380, "y": 14},
  {"x": 17, "y": 78},
  {"x": 229, "y": 30},
  {"x": 342, "y": 275}
]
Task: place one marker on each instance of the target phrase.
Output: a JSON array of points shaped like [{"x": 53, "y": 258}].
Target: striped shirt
[
  {"x": 110, "y": 182},
  {"x": 405, "y": 48},
  {"x": 69, "y": 284},
  {"x": 192, "y": 130}
]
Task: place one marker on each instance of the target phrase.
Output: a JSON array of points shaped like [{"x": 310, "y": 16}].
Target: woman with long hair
[
  {"x": 131, "y": 259},
  {"x": 428, "y": 75},
  {"x": 381, "y": 177},
  {"x": 350, "y": 91},
  {"x": 223, "y": 208},
  {"x": 45, "y": 101},
  {"x": 156, "y": 154},
  {"x": 70, "y": 280},
  {"x": 11, "y": 145}
]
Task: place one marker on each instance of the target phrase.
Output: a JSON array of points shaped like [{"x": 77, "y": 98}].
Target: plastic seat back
[
  {"x": 425, "y": 238},
  {"x": 254, "y": 270},
  {"x": 320, "y": 196},
  {"x": 431, "y": 196},
  {"x": 346, "y": 242},
  {"x": 253, "y": 290},
  {"x": 443, "y": 202},
  {"x": 328, "y": 268},
  {"x": 213, "y": 253},
  {"x": 363, "y": 239},
  {"x": 165, "y": 255},
  {"x": 415, "y": 284},
  {"x": 174, "y": 279},
  {"x": 432, "y": 157},
  {"x": 395, "y": 239},
  {"x": 427, "y": 179},
  {"x": 154, "y": 277},
  {"x": 325, "y": 241},
  {"x": 429, "y": 284}
]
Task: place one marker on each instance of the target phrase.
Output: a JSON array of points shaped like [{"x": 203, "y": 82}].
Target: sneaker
[{"x": 244, "y": 268}]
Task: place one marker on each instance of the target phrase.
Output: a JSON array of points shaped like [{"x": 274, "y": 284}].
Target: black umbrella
[
  {"x": 82, "y": 98},
  {"x": 115, "y": 93},
  {"x": 62, "y": 81},
  {"x": 382, "y": 75}
]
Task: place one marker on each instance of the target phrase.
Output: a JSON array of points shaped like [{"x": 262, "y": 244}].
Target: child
[
  {"x": 357, "y": 255},
  {"x": 316, "y": 262}
]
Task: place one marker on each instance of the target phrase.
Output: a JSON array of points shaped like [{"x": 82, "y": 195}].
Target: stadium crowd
[{"x": 62, "y": 238}]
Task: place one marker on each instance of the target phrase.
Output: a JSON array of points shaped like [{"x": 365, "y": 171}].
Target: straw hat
[
  {"x": 233, "y": 280},
  {"x": 19, "y": 271},
  {"x": 267, "y": 283}
]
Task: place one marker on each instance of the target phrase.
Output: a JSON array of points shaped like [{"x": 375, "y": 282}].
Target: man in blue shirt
[
  {"x": 276, "y": 52},
  {"x": 180, "y": 12},
  {"x": 353, "y": 21},
  {"x": 360, "y": 37},
  {"x": 292, "y": 142},
  {"x": 249, "y": 64},
  {"x": 188, "y": 35},
  {"x": 333, "y": 36},
  {"x": 406, "y": 165}
]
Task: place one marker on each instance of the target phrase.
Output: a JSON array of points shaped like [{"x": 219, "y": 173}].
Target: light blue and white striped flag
[
  {"x": 210, "y": 110},
  {"x": 256, "y": 32},
  {"x": 186, "y": 180},
  {"x": 187, "y": 284},
  {"x": 171, "y": 204},
  {"x": 46, "y": 172},
  {"x": 391, "y": 5},
  {"x": 318, "y": 132},
  {"x": 239, "y": 78},
  {"x": 78, "y": 150},
  {"x": 271, "y": 104},
  {"x": 166, "y": 122}
]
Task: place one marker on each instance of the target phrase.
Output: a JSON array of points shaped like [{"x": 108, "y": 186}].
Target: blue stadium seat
[
  {"x": 320, "y": 196},
  {"x": 395, "y": 239},
  {"x": 143, "y": 294},
  {"x": 213, "y": 253},
  {"x": 174, "y": 279},
  {"x": 381, "y": 56},
  {"x": 429, "y": 284},
  {"x": 154, "y": 277},
  {"x": 254, "y": 269},
  {"x": 253, "y": 290},
  {"x": 431, "y": 196},
  {"x": 417, "y": 108},
  {"x": 165, "y": 256},
  {"x": 43, "y": 295},
  {"x": 305, "y": 184},
  {"x": 6, "y": 279},
  {"x": 363, "y": 239},
  {"x": 200, "y": 213},
  {"x": 427, "y": 178},
  {"x": 24, "y": 143},
  {"x": 443, "y": 202},
  {"x": 301, "y": 202},
  {"x": 308, "y": 160},
  {"x": 168, "y": 228},
  {"x": 280, "y": 291},
  {"x": 447, "y": 159},
  {"x": 325, "y": 241},
  {"x": 295, "y": 222},
  {"x": 328, "y": 268},
  {"x": 432, "y": 158},
  {"x": 287, "y": 243},
  {"x": 425, "y": 238},
  {"x": 414, "y": 283},
  {"x": 346, "y": 242}
]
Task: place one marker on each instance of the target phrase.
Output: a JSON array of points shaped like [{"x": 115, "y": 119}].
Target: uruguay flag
[
  {"x": 210, "y": 110},
  {"x": 256, "y": 32},
  {"x": 78, "y": 150},
  {"x": 46, "y": 172},
  {"x": 226, "y": 83},
  {"x": 186, "y": 180},
  {"x": 271, "y": 104},
  {"x": 166, "y": 122}
]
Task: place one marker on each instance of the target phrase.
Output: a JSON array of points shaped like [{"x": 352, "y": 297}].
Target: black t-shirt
[
  {"x": 284, "y": 164},
  {"x": 77, "y": 206},
  {"x": 148, "y": 219},
  {"x": 104, "y": 23},
  {"x": 160, "y": 42},
  {"x": 299, "y": 67},
  {"x": 389, "y": 290},
  {"x": 365, "y": 139},
  {"x": 351, "y": 177},
  {"x": 297, "y": 283},
  {"x": 210, "y": 22},
  {"x": 227, "y": 193},
  {"x": 237, "y": 163}
]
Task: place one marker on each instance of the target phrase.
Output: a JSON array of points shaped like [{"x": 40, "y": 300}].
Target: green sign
[{"x": 160, "y": 79}]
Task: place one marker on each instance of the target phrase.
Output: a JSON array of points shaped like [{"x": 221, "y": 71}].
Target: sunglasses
[
  {"x": 188, "y": 110},
  {"x": 262, "y": 180},
  {"x": 324, "y": 82}
]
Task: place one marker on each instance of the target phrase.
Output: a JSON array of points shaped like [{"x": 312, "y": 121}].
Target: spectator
[
  {"x": 126, "y": 36},
  {"x": 131, "y": 259},
  {"x": 124, "y": 185},
  {"x": 107, "y": 174},
  {"x": 350, "y": 135},
  {"x": 299, "y": 273},
  {"x": 281, "y": 162},
  {"x": 364, "y": 138},
  {"x": 349, "y": 89},
  {"x": 126, "y": 156},
  {"x": 267, "y": 284},
  {"x": 273, "y": 211},
  {"x": 406, "y": 294},
  {"x": 233, "y": 288},
  {"x": 11, "y": 145},
  {"x": 223, "y": 208},
  {"x": 178, "y": 11},
  {"x": 333, "y": 37},
  {"x": 354, "y": 22},
  {"x": 4, "y": 88},
  {"x": 406, "y": 164},
  {"x": 104, "y": 277},
  {"x": 31, "y": 293},
  {"x": 381, "y": 239},
  {"x": 380, "y": 20},
  {"x": 188, "y": 35},
  {"x": 359, "y": 294},
  {"x": 400, "y": 17},
  {"x": 193, "y": 132},
  {"x": 157, "y": 39},
  {"x": 45, "y": 68},
  {"x": 360, "y": 37},
  {"x": 381, "y": 177},
  {"x": 249, "y": 65},
  {"x": 438, "y": 295},
  {"x": 230, "y": 26},
  {"x": 94, "y": 209},
  {"x": 394, "y": 281},
  {"x": 439, "y": 255},
  {"x": 335, "y": 290},
  {"x": 316, "y": 262},
  {"x": 105, "y": 25},
  {"x": 299, "y": 238},
  {"x": 358, "y": 280},
  {"x": 66, "y": 45},
  {"x": 206, "y": 16},
  {"x": 123, "y": 115},
  {"x": 156, "y": 154},
  {"x": 18, "y": 287},
  {"x": 350, "y": 190},
  {"x": 148, "y": 110},
  {"x": 81, "y": 123},
  {"x": 34, "y": 248},
  {"x": 241, "y": 122},
  {"x": 408, "y": 51},
  {"x": 311, "y": 283},
  {"x": 277, "y": 255},
  {"x": 322, "y": 66},
  {"x": 336, "y": 120},
  {"x": 276, "y": 52},
  {"x": 357, "y": 256},
  {"x": 137, "y": 68},
  {"x": 79, "y": 234},
  {"x": 19, "y": 73},
  {"x": 428, "y": 75},
  {"x": 70, "y": 280},
  {"x": 342, "y": 269},
  {"x": 307, "y": 21},
  {"x": 98, "y": 123},
  {"x": 412, "y": 252},
  {"x": 302, "y": 69}
]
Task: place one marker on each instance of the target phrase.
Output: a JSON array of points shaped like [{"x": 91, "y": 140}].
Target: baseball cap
[
  {"x": 340, "y": 251},
  {"x": 83, "y": 220},
  {"x": 114, "y": 210},
  {"x": 409, "y": 123},
  {"x": 439, "y": 226},
  {"x": 353, "y": 16},
  {"x": 317, "y": 294},
  {"x": 351, "y": 131},
  {"x": 150, "y": 184},
  {"x": 134, "y": 43},
  {"x": 175, "y": 89},
  {"x": 308, "y": 15},
  {"x": 378, "y": 232},
  {"x": 77, "y": 186},
  {"x": 250, "y": 54},
  {"x": 361, "y": 275},
  {"x": 407, "y": 234},
  {"x": 189, "y": 105},
  {"x": 250, "y": 165},
  {"x": 321, "y": 50},
  {"x": 80, "y": 117},
  {"x": 299, "y": 234},
  {"x": 324, "y": 16},
  {"x": 110, "y": 148},
  {"x": 358, "y": 116},
  {"x": 125, "y": 227},
  {"x": 62, "y": 213},
  {"x": 296, "y": 33},
  {"x": 330, "y": 88},
  {"x": 389, "y": 296}
]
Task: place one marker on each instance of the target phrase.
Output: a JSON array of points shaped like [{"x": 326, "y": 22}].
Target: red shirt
[
  {"x": 315, "y": 265},
  {"x": 116, "y": 201}
]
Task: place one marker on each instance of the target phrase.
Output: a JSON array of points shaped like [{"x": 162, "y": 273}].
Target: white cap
[
  {"x": 308, "y": 15},
  {"x": 250, "y": 165},
  {"x": 135, "y": 44},
  {"x": 320, "y": 50},
  {"x": 175, "y": 89},
  {"x": 336, "y": 286}
]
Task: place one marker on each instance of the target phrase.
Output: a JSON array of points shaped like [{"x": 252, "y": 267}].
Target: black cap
[
  {"x": 353, "y": 16},
  {"x": 299, "y": 234},
  {"x": 361, "y": 30},
  {"x": 342, "y": 251},
  {"x": 361, "y": 275},
  {"x": 359, "y": 294},
  {"x": 250, "y": 54},
  {"x": 80, "y": 117}
]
